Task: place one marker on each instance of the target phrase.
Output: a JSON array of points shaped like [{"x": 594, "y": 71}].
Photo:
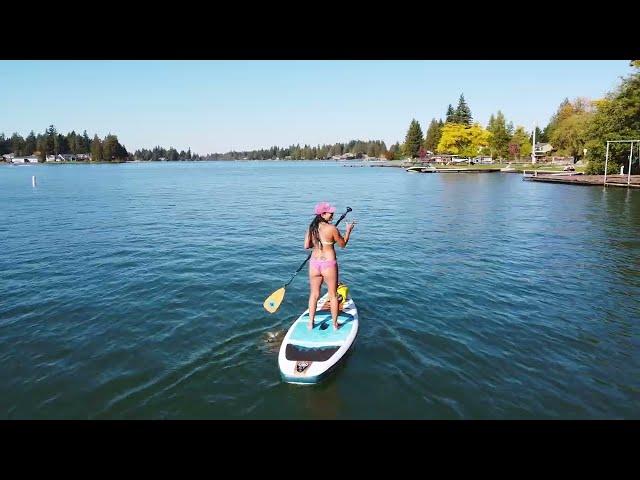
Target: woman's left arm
[{"x": 307, "y": 243}]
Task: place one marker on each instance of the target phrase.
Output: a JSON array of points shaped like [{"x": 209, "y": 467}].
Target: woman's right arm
[{"x": 339, "y": 239}]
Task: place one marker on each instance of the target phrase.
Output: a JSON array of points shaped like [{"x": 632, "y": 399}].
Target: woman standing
[{"x": 321, "y": 236}]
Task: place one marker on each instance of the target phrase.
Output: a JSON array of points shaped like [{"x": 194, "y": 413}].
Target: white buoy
[{"x": 33, "y": 180}]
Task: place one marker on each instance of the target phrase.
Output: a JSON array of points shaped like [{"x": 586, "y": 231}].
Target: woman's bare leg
[
  {"x": 315, "y": 282},
  {"x": 330, "y": 276}
]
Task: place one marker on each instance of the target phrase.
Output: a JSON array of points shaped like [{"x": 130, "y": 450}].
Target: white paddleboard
[{"x": 308, "y": 356}]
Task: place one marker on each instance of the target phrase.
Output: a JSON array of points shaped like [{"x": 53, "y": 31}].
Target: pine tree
[
  {"x": 60, "y": 144},
  {"x": 4, "y": 145},
  {"x": 30, "y": 144},
  {"x": 451, "y": 115},
  {"x": 540, "y": 136},
  {"x": 463, "y": 112},
  {"x": 413, "y": 139},
  {"x": 17, "y": 144},
  {"x": 86, "y": 143},
  {"x": 433, "y": 135}
]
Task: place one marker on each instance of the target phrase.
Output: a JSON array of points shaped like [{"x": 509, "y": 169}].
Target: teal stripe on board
[{"x": 301, "y": 332}]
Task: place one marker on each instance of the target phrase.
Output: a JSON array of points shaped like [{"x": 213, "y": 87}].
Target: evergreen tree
[
  {"x": 451, "y": 115},
  {"x": 463, "y": 112},
  {"x": 120, "y": 152},
  {"x": 86, "y": 143},
  {"x": 172, "y": 154},
  {"x": 50, "y": 140},
  {"x": 30, "y": 144},
  {"x": 413, "y": 139},
  {"x": 433, "y": 135},
  {"x": 60, "y": 144},
  {"x": 5, "y": 146},
  {"x": 17, "y": 144},
  {"x": 108, "y": 148}
]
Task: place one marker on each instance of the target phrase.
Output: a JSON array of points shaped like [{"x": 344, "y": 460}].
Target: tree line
[
  {"x": 51, "y": 142},
  {"x": 458, "y": 134},
  {"x": 357, "y": 148},
  {"x": 110, "y": 149},
  {"x": 579, "y": 128}
]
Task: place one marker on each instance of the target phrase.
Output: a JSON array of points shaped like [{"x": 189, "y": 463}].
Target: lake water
[{"x": 134, "y": 291}]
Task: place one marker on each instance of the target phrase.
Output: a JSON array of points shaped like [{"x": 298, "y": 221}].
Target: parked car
[{"x": 569, "y": 168}]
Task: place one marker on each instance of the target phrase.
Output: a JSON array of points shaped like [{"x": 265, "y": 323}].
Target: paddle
[{"x": 273, "y": 301}]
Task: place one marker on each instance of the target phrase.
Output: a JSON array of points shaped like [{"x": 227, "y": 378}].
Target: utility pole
[{"x": 533, "y": 147}]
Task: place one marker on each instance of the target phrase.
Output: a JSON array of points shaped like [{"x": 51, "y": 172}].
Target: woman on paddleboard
[{"x": 321, "y": 236}]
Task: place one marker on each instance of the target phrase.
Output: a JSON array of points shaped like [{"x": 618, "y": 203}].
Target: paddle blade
[{"x": 272, "y": 303}]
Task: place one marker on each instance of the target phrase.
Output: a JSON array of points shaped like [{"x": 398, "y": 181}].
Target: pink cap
[{"x": 324, "y": 207}]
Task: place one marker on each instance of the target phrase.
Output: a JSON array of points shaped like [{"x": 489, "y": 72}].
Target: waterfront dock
[
  {"x": 594, "y": 180},
  {"x": 466, "y": 170}
]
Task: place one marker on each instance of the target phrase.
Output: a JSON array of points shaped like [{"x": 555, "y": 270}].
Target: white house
[
  {"x": 62, "y": 157},
  {"x": 542, "y": 149},
  {"x": 8, "y": 156},
  {"x": 27, "y": 159}
]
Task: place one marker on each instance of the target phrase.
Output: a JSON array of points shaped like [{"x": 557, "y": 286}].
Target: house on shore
[
  {"x": 346, "y": 156},
  {"x": 62, "y": 157},
  {"x": 542, "y": 151},
  {"x": 25, "y": 159}
]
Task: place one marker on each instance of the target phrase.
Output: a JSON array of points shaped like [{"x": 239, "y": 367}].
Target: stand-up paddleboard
[{"x": 308, "y": 356}]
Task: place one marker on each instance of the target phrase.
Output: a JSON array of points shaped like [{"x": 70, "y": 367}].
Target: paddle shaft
[{"x": 304, "y": 263}]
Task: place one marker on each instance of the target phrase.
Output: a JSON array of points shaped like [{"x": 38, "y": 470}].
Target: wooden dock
[
  {"x": 467, "y": 170},
  {"x": 593, "y": 180}
]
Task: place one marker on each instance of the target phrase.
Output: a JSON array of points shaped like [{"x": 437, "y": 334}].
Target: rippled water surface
[{"x": 136, "y": 290}]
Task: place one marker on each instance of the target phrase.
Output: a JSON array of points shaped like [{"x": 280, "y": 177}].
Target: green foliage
[
  {"x": 451, "y": 115},
  {"x": 434, "y": 132},
  {"x": 540, "y": 136},
  {"x": 500, "y": 136},
  {"x": 413, "y": 139},
  {"x": 570, "y": 134},
  {"x": 96, "y": 149},
  {"x": 596, "y": 167},
  {"x": 521, "y": 138},
  {"x": 463, "y": 112},
  {"x": 617, "y": 117},
  {"x": 460, "y": 139}
]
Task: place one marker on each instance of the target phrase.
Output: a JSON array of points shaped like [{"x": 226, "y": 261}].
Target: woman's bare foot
[
  {"x": 335, "y": 325},
  {"x": 311, "y": 325}
]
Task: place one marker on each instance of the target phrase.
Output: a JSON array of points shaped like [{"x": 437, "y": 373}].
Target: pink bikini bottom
[{"x": 321, "y": 265}]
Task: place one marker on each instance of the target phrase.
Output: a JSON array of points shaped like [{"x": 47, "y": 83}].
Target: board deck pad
[{"x": 323, "y": 330}]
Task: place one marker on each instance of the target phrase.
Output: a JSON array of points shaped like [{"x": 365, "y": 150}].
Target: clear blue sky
[{"x": 217, "y": 106}]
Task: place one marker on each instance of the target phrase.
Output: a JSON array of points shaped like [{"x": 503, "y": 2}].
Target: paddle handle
[{"x": 309, "y": 256}]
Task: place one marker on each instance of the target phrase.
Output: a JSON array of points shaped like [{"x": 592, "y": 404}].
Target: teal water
[{"x": 135, "y": 291}]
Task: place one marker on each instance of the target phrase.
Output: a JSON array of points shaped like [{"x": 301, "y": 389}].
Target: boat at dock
[{"x": 421, "y": 169}]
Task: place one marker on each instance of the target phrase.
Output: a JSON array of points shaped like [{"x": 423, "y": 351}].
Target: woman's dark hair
[{"x": 314, "y": 231}]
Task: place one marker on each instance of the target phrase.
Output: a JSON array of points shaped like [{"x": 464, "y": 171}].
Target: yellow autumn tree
[{"x": 465, "y": 140}]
